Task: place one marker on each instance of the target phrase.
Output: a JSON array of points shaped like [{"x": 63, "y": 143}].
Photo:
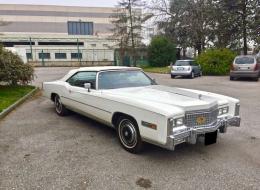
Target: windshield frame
[{"x": 122, "y": 70}]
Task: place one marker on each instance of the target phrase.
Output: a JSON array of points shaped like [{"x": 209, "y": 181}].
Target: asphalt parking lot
[{"x": 40, "y": 150}]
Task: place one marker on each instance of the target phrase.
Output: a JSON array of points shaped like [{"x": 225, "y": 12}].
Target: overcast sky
[{"x": 87, "y": 3}]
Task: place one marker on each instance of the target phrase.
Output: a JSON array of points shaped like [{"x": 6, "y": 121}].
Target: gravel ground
[{"x": 40, "y": 150}]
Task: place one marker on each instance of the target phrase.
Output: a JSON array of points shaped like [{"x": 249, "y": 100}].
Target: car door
[{"x": 84, "y": 101}]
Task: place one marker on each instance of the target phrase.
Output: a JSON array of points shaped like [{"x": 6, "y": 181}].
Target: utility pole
[
  {"x": 43, "y": 64},
  {"x": 79, "y": 58},
  {"x": 132, "y": 32},
  {"x": 31, "y": 48}
]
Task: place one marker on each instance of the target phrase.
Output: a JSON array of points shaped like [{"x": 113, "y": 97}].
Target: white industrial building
[{"x": 58, "y": 35}]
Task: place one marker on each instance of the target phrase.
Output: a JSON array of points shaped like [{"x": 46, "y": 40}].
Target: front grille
[{"x": 201, "y": 118}]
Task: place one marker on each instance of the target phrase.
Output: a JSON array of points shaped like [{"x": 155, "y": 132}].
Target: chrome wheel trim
[
  {"x": 58, "y": 104},
  {"x": 127, "y": 133}
]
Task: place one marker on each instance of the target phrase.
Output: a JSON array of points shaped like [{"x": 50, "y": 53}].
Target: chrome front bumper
[{"x": 188, "y": 134}]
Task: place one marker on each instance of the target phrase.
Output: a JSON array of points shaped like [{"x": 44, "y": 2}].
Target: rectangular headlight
[
  {"x": 179, "y": 122},
  {"x": 176, "y": 122},
  {"x": 223, "y": 110}
]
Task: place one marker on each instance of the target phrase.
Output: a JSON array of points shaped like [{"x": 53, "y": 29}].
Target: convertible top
[
  {"x": 97, "y": 69},
  {"x": 105, "y": 68}
]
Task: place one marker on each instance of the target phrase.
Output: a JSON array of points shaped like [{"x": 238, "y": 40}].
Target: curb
[{"x": 17, "y": 103}]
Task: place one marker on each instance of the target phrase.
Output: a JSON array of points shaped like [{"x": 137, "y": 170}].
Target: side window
[
  {"x": 80, "y": 78},
  {"x": 193, "y": 63}
]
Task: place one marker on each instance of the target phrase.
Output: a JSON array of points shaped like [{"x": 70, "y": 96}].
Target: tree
[
  {"x": 161, "y": 51},
  {"x": 187, "y": 21},
  {"x": 127, "y": 21},
  {"x": 245, "y": 11},
  {"x": 210, "y": 23}
]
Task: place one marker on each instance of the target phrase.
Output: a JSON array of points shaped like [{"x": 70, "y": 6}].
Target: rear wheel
[
  {"x": 256, "y": 79},
  {"x": 200, "y": 75},
  {"x": 128, "y": 134},
  {"x": 59, "y": 107},
  {"x": 231, "y": 78}
]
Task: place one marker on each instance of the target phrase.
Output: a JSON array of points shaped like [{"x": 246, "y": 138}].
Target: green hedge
[
  {"x": 13, "y": 70},
  {"x": 216, "y": 61}
]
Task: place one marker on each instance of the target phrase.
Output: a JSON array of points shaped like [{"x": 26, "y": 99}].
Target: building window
[
  {"x": 80, "y": 28},
  {"x": 44, "y": 55},
  {"x": 94, "y": 45},
  {"x": 105, "y": 45},
  {"x": 61, "y": 43},
  {"x": 60, "y": 56},
  {"x": 29, "y": 56},
  {"x": 76, "y": 55}
]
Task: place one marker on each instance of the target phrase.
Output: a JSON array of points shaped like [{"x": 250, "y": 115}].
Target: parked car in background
[
  {"x": 187, "y": 68},
  {"x": 140, "y": 110},
  {"x": 245, "y": 66}
]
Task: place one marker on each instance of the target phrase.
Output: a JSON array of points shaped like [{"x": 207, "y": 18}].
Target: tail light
[
  {"x": 256, "y": 67},
  {"x": 232, "y": 68}
]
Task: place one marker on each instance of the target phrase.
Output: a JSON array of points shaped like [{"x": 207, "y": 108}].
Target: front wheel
[
  {"x": 172, "y": 76},
  {"x": 192, "y": 75},
  {"x": 59, "y": 107},
  {"x": 231, "y": 78},
  {"x": 129, "y": 135}
]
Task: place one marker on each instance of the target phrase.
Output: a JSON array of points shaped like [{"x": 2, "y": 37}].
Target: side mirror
[
  {"x": 154, "y": 80},
  {"x": 87, "y": 86}
]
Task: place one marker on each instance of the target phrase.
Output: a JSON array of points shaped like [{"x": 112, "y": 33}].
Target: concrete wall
[
  {"x": 71, "y": 63},
  {"x": 52, "y": 19}
]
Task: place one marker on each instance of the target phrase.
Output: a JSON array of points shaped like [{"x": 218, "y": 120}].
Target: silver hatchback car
[
  {"x": 245, "y": 66},
  {"x": 188, "y": 68}
]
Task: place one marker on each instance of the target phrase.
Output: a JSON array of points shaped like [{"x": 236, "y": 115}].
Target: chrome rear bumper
[{"x": 185, "y": 134}]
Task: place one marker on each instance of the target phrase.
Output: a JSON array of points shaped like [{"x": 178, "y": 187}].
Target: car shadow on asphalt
[
  {"x": 246, "y": 79},
  {"x": 149, "y": 150}
]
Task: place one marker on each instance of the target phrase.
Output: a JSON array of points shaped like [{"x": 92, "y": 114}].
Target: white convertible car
[{"x": 126, "y": 99}]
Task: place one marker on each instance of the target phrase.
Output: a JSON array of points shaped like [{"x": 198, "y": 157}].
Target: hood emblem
[{"x": 201, "y": 120}]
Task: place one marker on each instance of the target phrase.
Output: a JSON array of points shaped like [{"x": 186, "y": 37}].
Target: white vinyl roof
[
  {"x": 97, "y": 69},
  {"x": 104, "y": 68}
]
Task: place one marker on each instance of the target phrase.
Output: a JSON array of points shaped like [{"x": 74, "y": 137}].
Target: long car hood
[{"x": 163, "y": 95}]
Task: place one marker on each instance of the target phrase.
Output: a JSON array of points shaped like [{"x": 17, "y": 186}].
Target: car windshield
[
  {"x": 123, "y": 79},
  {"x": 245, "y": 60},
  {"x": 182, "y": 63}
]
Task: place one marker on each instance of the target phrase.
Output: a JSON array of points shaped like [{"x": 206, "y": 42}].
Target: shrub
[
  {"x": 13, "y": 70},
  {"x": 216, "y": 61},
  {"x": 161, "y": 52}
]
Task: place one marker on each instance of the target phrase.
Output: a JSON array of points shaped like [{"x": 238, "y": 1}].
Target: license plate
[
  {"x": 180, "y": 68},
  {"x": 211, "y": 138},
  {"x": 243, "y": 68}
]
